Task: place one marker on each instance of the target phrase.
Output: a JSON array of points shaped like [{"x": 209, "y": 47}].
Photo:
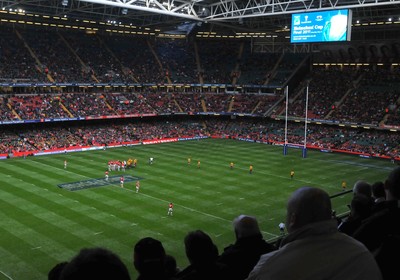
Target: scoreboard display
[{"x": 324, "y": 26}]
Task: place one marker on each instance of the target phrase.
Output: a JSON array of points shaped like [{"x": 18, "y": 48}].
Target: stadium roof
[{"x": 182, "y": 16}]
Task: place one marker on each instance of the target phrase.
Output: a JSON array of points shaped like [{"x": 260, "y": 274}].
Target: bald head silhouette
[{"x": 307, "y": 205}]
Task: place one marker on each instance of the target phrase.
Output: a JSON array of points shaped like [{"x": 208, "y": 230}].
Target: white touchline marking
[
  {"x": 35, "y": 248},
  {"x": 6, "y": 275},
  {"x": 133, "y": 224},
  {"x": 217, "y": 235},
  {"x": 96, "y": 233}
]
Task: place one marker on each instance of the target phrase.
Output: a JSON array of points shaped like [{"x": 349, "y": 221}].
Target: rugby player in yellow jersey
[{"x": 344, "y": 185}]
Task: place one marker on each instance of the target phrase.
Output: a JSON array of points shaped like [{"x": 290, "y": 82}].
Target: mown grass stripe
[{"x": 208, "y": 198}]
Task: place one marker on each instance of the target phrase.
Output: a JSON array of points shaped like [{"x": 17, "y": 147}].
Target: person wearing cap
[{"x": 244, "y": 254}]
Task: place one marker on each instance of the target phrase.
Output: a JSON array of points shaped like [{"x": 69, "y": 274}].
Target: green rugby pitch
[{"x": 43, "y": 224}]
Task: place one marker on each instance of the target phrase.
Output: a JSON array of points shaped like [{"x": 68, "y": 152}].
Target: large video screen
[{"x": 324, "y": 26}]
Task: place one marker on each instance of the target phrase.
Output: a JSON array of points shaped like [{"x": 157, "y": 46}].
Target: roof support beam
[
  {"x": 186, "y": 8},
  {"x": 224, "y": 10}
]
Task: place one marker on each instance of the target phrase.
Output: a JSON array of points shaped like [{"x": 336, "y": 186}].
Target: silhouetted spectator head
[
  {"x": 55, "y": 271},
  {"x": 95, "y": 263},
  {"x": 307, "y": 205},
  {"x": 149, "y": 257},
  {"x": 246, "y": 226},
  {"x": 378, "y": 190},
  {"x": 392, "y": 185},
  {"x": 171, "y": 268},
  {"x": 200, "y": 248},
  {"x": 362, "y": 187},
  {"x": 360, "y": 206}
]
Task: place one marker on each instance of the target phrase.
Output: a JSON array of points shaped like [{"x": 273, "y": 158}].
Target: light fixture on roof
[
  {"x": 64, "y": 3},
  {"x": 124, "y": 11}
]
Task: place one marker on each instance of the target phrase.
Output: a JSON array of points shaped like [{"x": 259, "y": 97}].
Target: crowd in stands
[
  {"x": 317, "y": 245},
  {"x": 178, "y": 61},
  {"x": 327, "y": 100},
  {"x": 65, "y": 105},
  {"x": 256, "y": 68},
  {"x": 218, "y": 60},
  {"x": 364, "y": 94},
  {"x": 357, "y": 95},
  {"x": 379, "y": 143}
]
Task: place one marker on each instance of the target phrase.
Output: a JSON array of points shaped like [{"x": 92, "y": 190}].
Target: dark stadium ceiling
[{"x": 182, "y": 16}]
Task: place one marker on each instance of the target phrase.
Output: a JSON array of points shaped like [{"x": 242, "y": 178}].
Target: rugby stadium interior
[{"x": 93, "y": 74}]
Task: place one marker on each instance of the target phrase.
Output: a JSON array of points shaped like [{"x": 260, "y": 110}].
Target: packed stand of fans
[
  {"x": 139, "y": 63},
  {"x": 218, "y": 60},
  {"x": 369, "y": 103},
  {"x": 324, "y": 92},
  {"x": 16, "y": 63},
  {"x": 54, "y": 56},
  {"x": 178, "y": 61},
  {"x": 256, "y": 68},
  {"x": 373, "y": 143},
  {"x": 286, "y": 67}
]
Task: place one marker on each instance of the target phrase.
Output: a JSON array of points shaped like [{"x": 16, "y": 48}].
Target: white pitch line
[
  {"x": 35, "y": 248},
  {"x": 6, "y": 275},
  {"x": 97, "y": 233}
]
